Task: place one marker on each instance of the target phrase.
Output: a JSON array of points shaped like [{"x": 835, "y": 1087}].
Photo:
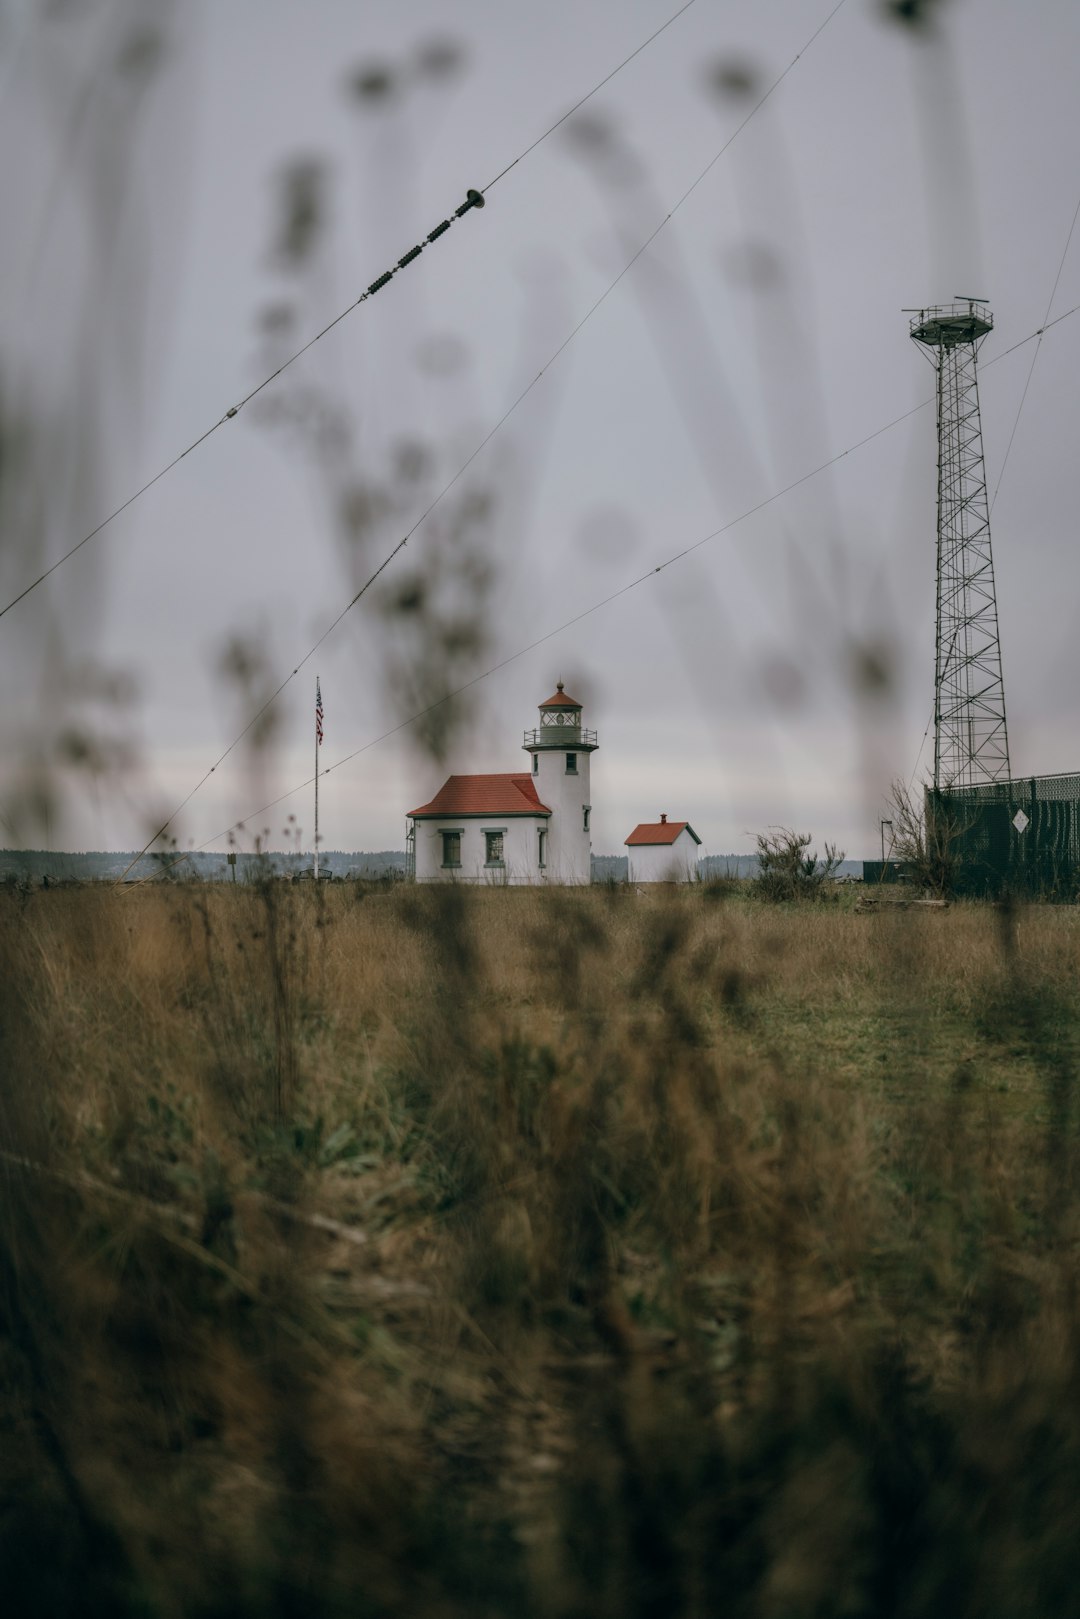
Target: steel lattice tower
[{"x": 971, "y": 743}]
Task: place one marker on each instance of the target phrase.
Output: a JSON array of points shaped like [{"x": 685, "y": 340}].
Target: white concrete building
[
  {"x": 532, "y": 827},
  {"x": 663, "y": 851}
]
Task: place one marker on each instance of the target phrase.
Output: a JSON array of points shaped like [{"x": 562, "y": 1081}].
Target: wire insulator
[
  {"x": 438, "y": 231},
  {"x": 383, "y": 279},
  {"x": 413, "y": 253},
  {"x": 473, "y": 199}
]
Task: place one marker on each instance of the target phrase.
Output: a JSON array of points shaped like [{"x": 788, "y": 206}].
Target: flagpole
[{"x": 317, "y": 704}]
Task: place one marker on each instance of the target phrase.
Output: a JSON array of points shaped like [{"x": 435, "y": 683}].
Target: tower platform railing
[
  {"x": 944, "y": 325},
  {"x": 560, "y": 736}
]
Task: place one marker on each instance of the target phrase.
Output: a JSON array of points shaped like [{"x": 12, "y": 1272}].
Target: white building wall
[
  {"x": 664, "y": 862},
  {"x": 520, "y": 849},
  {"x": 566, "y": 796}
]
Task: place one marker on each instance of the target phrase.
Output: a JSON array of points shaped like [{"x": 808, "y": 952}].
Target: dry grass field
[{"x": 560, "y": 1254}]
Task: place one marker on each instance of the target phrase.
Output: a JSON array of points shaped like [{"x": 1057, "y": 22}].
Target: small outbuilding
[{"x": 663, "y": 851}]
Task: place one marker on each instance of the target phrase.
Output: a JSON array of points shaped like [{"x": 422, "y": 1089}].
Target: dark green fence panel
[{"x": 1019, "y": 837}]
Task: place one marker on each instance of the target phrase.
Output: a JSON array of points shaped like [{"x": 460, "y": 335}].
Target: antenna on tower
[{"x": 971, "y": 742}]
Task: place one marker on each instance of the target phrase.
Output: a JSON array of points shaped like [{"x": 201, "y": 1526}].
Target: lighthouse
[
  {"x": 521, "y": 827},
  {"x": 561, "y": 750}
]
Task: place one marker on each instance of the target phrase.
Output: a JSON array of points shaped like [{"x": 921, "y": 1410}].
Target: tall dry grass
[{"x": 463, "y": 1252}]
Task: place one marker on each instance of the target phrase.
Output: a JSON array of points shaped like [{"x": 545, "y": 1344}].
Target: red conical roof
[{"x": 561, "y": 700}]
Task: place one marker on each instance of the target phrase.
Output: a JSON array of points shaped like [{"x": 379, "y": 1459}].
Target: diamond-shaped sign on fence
[{"x": 1020, "y": 821}]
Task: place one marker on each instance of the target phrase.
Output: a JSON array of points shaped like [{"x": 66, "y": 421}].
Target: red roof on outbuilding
[
  {"x": 511, "y": 794},
  {"x": 660, "y": 832}
]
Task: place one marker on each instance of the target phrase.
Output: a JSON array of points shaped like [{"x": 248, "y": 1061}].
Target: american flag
[{"x": 318, "y": 713}]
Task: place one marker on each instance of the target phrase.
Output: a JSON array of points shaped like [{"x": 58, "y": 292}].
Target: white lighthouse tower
[{"x": 561, "y": 750}]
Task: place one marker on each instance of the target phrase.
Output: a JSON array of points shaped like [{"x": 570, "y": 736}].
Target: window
[
  {"x": 541, "y": 842},
  {"x": 571, "y": 764},
  {"x": 451, "y": 848},
  {"x": 536, "y": 764},
  {"x": 586, "y": 811},
  {"x": 493, "y": 846}
]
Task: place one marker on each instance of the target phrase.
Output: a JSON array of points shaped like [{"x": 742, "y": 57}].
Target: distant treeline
[
  {"x": 746, "y": 865},
  {"x": 96, "y": 865},
  {"x": 613, "y": 868},
  {"x": 33, "y": 865}
]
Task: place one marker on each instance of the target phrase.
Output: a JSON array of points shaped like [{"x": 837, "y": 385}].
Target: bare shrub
[
  {"x": 789, "y": 869},
  {"x": 926, "y": 845}
]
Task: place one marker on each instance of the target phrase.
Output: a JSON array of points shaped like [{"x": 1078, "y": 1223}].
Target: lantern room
[{"x": 560, "y": 725}]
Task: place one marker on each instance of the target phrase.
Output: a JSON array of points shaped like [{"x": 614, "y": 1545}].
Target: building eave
[{"x": 540, "y": 812}]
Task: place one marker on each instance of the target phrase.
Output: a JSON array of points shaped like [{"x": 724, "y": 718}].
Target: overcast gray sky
[{"x": 148, "y": 282}]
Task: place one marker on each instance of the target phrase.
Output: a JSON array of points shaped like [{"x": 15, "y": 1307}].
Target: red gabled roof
[
  {"x": 660, "y": 832},
  {"x": 511, "y": 794},
  {"x": 561, "y": 700}
]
